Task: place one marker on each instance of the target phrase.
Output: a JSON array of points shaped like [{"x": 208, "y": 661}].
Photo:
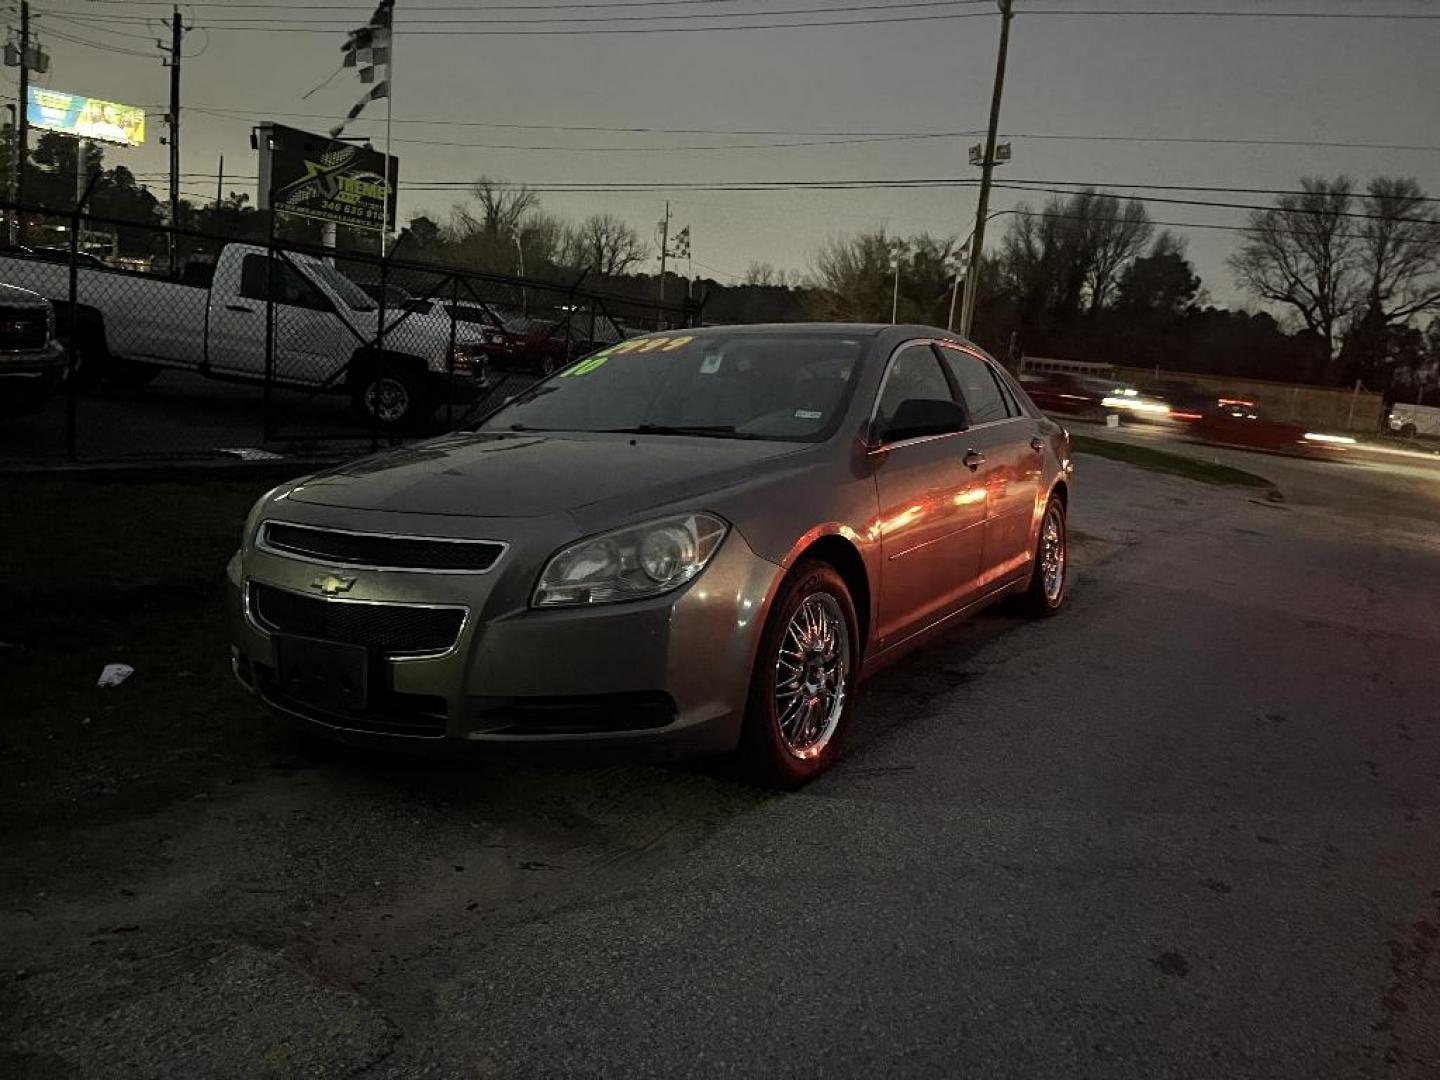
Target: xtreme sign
[{"x": 317, "y": 177}]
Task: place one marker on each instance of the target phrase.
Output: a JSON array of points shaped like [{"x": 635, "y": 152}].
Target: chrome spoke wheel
[
  {"x": 388, "y": 399},
  {"x": 1052, "y": 554},
  {"x": 811, "y": 670}
]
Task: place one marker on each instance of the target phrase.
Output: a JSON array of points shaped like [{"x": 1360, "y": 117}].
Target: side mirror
[{"x": 917, "y": 417}]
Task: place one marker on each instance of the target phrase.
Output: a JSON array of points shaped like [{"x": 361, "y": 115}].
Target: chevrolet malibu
[{"x": 694, "y": 542}]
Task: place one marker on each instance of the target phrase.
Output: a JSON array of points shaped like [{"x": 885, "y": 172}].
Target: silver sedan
[{"x": 695, "y": 542}]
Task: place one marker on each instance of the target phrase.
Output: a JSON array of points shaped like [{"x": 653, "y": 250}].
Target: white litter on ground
[{"x": 115, "y": 674}]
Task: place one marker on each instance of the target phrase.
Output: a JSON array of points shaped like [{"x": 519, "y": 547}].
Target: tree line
[{"x": 1354, "y": 277}]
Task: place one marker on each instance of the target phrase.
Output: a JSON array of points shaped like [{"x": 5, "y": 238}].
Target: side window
[
  {"x": 977, "y": 386},
  {"x": 914, "y": 373},
  {"x": 291, "y": 287},
  {"x": 1008, "y": 393}
]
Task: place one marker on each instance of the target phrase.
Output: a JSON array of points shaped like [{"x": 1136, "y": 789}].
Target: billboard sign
[
  {"x": 85, "y": 117},
  {"x": 318, "y": 177}
]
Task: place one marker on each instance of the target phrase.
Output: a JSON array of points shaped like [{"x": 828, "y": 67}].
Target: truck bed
[{"x": 147, "y": 318}]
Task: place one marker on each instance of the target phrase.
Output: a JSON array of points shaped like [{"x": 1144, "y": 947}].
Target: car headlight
[{"x": 632, "y": 563}]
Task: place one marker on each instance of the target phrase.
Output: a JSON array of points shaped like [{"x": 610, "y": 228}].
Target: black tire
[
  {"x": 1407, "y": 431},
  {"x": 130, "y": 372},
  {"x": 1040, "y": 598},
  {"x": 90, "y": 364},
  {"x": 391, "y": 395},
  {"x": 765, "y": 754},
  {"x": 545, "y": 366}
]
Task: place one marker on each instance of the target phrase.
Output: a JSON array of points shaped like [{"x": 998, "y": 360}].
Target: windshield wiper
[{"x": 715, "y": 431}]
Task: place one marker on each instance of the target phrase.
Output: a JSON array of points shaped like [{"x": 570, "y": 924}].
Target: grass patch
[
  {"x": 133, "y": 573},
  {"x": 1163, "y": 461}
]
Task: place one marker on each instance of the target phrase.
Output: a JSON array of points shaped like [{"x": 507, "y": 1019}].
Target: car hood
[{"x": 536, "y": 474}]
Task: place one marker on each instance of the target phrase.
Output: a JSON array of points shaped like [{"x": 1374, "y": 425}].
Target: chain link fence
[{"x": 255, "y": 347}]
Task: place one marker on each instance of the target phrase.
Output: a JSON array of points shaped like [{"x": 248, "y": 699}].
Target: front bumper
[
  {"x": 663, "y": 677},
  {"x": 28, "y": 381}
]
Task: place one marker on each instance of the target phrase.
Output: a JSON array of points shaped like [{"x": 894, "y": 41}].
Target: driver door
[
  {"x": 932, "y": 506},
  {"x": 307, "y": 336}
]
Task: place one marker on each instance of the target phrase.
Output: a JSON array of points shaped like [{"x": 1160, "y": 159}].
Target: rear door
[
  {"x": 932, "y": 506},
  {"x": 1009, "y": 442}
]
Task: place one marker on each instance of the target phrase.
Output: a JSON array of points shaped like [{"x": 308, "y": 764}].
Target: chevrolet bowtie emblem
[{"x": 333, "y": 584}]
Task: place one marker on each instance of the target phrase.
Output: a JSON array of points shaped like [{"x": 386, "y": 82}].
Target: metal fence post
[
  {"x": 72, "y": 343},
  {"x": 450, "y": 354},
  {"x": 380, "y": 364},
  {"x": 271, "y": 273}
]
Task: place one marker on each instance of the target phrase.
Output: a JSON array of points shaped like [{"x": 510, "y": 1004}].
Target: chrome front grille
[
  {"x": 391, "y": 629},
  {"x": 23, "y": 329},
  {"x": 380, "y": 551}
]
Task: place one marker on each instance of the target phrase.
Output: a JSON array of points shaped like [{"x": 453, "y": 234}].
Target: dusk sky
[{"x": 1354, "y": 80}]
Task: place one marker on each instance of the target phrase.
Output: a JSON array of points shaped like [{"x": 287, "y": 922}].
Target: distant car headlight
[{"x": 632, "y": 563}]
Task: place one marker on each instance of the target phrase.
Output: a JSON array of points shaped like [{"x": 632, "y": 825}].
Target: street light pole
[
  {"x": 895, "y": 298},
  {"x": 967, "y": 313}
]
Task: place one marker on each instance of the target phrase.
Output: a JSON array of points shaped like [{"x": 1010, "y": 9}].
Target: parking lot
[{"x": 1189, "y": 828}]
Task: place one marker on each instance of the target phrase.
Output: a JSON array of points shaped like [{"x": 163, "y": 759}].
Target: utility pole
[
  {"x": 177, "y": 34},
  {"x": 220, "y": 184},
  {"x": 664, "y": 247},
  {"x": 22, "y": 128},
  {"x": 972, "y": 279}
]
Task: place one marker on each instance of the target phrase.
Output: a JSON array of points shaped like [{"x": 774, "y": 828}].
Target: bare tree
[
  {"x": 1070, "y": 254},
  {"x": 1113, "y": 234},
  {"x": 758, "y": 273},
  {"x": 1302, "y": 254},
  {"x": 853, "y": 277},
  {"x": 502, "y": 206},
  {"x": 856, "y": 282},
  {"x": 1399, "y": 256},
  {"x": 604, "y": 244}
]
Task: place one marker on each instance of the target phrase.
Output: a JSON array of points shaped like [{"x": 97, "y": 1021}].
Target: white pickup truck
[
  {"x": 129, "y": 326},
  {"x": 1412, "y": 420}
]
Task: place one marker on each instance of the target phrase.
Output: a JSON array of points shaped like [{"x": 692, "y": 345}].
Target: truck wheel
[
  {"x": 1407, "y": 430},
  {"x": 389, "y": 396},
  {"x": 90, "y": 362}
]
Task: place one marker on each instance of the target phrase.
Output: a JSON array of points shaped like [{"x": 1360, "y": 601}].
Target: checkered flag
[
  {"x": 680, "y": 244},
  {"x": 367, "y": 49}
]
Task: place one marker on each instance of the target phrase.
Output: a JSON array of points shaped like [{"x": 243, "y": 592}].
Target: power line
[
  {"x": 98, "y": 45},
  {"x": 247, "y": 116},
  {"x": 1195, "y": 13},
  {"x": 1358, "y": 215},
  {"x": 1098, "y": 184},
  {"x": 87, "y": 24},
  {"x": 331, "y": 21},
  {"x": 411, "y": 31}
]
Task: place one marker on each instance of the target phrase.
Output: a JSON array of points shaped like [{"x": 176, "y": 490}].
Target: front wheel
[
  {"x": 1050, "y": 576},
  {"x": 1407, "y": 431},
  {"x": 802, "y": 688}
]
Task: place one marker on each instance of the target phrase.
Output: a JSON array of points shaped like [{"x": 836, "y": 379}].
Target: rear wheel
[
  {"x": 1407, "y": 430},
  {"x": 546, "y": 365},
  {"x": 1050, "y": 576},
  {"x": 389, "y": 396},
  {"x": 802, "y": 688}
]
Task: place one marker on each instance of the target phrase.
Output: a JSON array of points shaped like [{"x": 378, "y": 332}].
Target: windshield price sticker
[{"x": 635, "y": 345}]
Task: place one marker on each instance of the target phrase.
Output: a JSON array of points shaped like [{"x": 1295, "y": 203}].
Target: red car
[{"x": 1233, "y": 421}]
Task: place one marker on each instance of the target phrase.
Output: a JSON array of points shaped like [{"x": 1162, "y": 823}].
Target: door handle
[
  {"x": 240, "y": 307},
  {"x": 1037, "y": 444},
  {"x": 974, "y": 459}
]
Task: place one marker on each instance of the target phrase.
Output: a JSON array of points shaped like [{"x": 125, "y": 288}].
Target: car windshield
[
  {"x": 786, "y": 386},
  {"x": 353, "y": 295}
]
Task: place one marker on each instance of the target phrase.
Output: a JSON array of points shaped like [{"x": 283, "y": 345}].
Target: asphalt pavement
[{"x": 1189, "y": 828}]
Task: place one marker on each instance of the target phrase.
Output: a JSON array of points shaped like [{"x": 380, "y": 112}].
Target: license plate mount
[{"x": 327, "y": 675}]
